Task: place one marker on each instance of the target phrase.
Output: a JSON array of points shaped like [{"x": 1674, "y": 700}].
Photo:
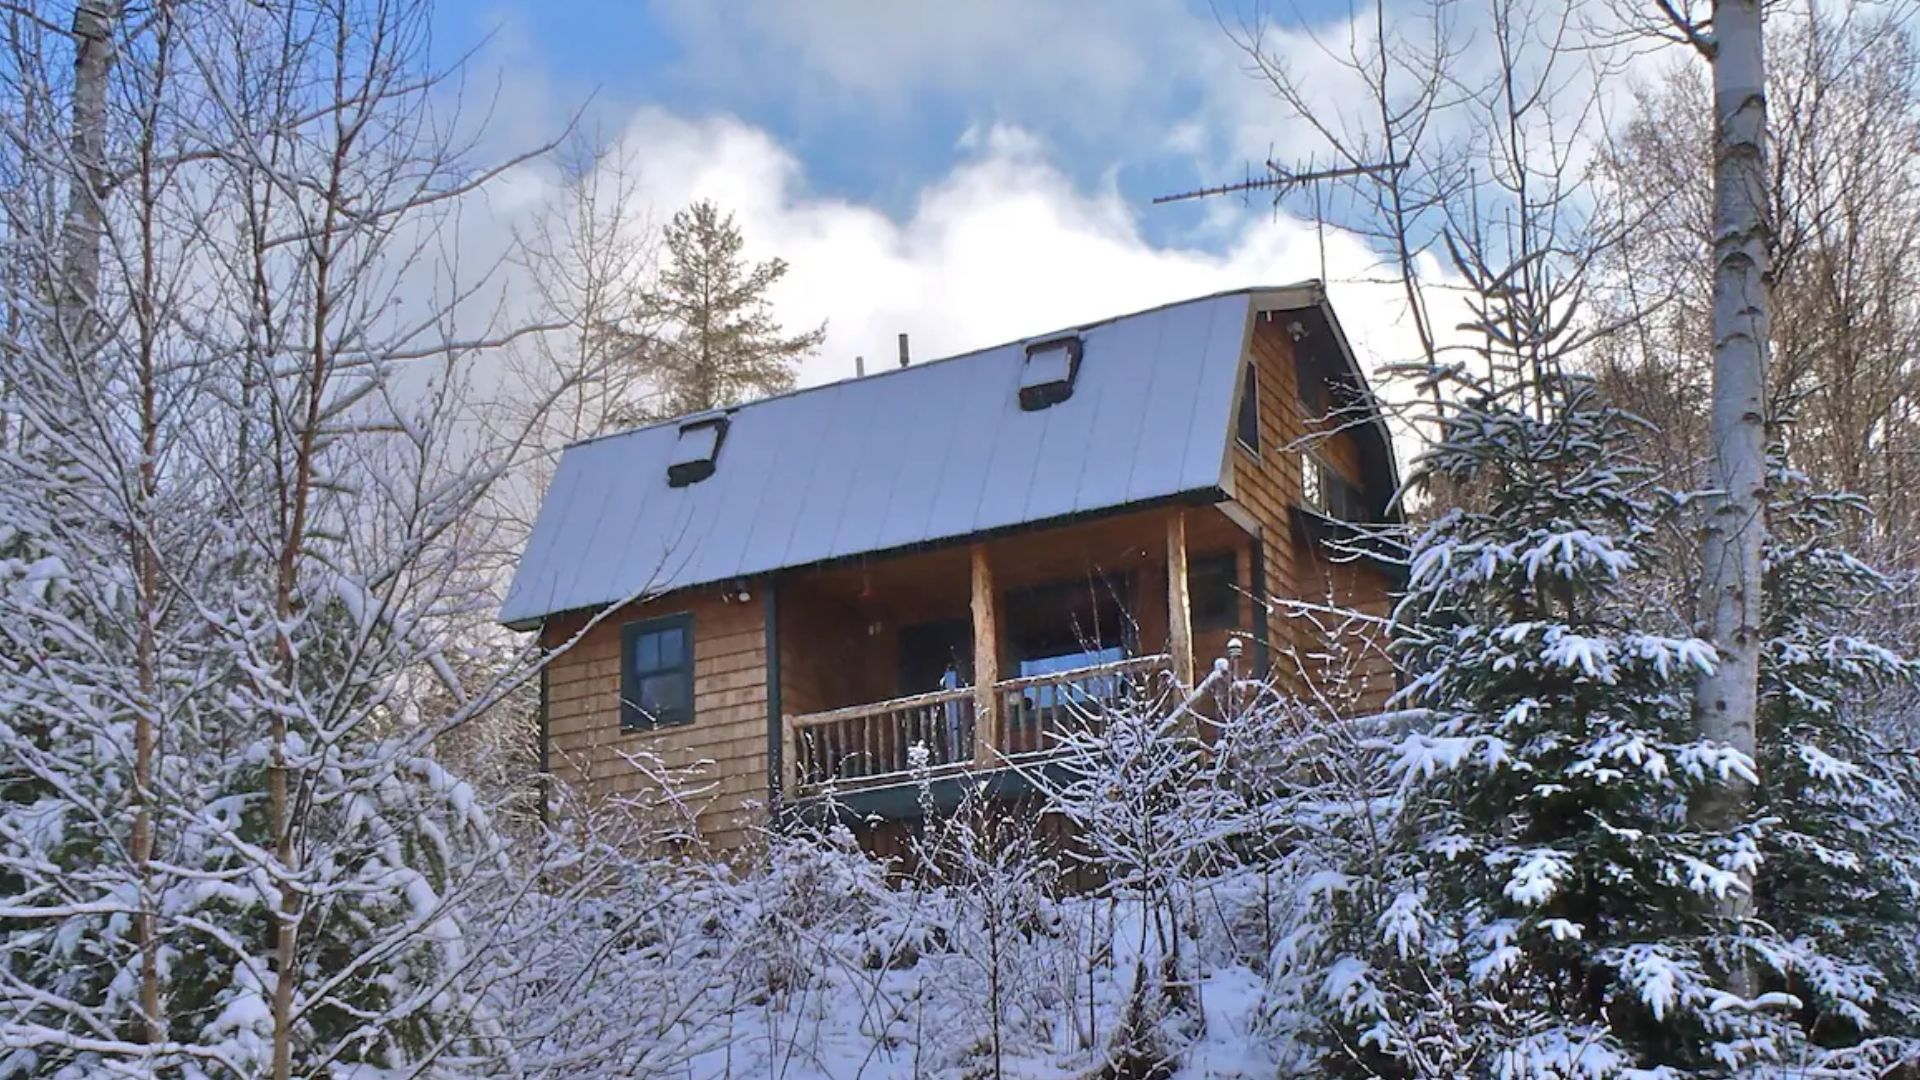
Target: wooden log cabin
[{"x": 950, "y": 555}]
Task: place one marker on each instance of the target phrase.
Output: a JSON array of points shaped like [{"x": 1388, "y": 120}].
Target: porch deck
[{"x": 941, "y": 733}]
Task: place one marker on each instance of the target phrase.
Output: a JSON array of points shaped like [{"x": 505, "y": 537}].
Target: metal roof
[{"x": 936, "y": 451}]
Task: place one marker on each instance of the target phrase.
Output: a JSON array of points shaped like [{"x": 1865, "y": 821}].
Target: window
[
  {"x": 1051, "y": 367},
  {"x": 1213, "y": 591},
  {"x": 695, "y": 452},
  {"x": 1068, "y": 618},
  {"x": 1323, "y": 489},
  {"x": 656, "y": 673},
  {"x": 1312, "y": 387},
  {"x": 1247, "y": 429}
]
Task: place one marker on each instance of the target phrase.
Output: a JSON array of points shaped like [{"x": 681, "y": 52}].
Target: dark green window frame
[
  {"x": 1246, "y": 427},
  {"x": 650, "y": 669}
]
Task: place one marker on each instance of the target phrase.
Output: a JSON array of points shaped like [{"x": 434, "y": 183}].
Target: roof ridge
[{"x": 884, "y": 372}]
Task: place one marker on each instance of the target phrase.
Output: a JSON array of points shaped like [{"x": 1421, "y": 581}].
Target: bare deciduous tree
[{"x": 1845, "y": 218}]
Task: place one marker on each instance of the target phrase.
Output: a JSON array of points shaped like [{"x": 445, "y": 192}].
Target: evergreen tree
[
  {"x": 1841, "y": 853},
  {"x": 719, "y": 344},
  {"x": 1528, "y": 897},
  {"x": 1539, "y": 907}
]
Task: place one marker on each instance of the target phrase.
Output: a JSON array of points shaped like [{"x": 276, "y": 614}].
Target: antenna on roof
[
  {"x": 903, "y": 350},
  {"x": 859, "y": 367},
  {"x": 1281, "y": 179}
]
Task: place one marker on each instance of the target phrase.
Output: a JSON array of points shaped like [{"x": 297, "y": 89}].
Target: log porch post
[
  {"x": 779, "y": 724},
  {"x": 1179, "y": 608},
  {"x": 986, "y": 660}
]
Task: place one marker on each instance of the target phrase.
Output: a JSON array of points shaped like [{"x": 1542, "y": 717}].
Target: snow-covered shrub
[
  {"x": 69, "y": 891},
  {"x": 985, "y": 885},
  {"x": 1145, "y": 798},
  {"x": 400, "y": 848}
]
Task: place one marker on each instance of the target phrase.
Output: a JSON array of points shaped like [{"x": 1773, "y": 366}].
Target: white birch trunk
[
  {"x": 94, "y": 23},
  {"x": 1727, "y": 701}
]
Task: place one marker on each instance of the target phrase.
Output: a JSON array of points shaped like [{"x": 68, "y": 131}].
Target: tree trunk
[
  {"x": 1726, "y": 702},
  {"x": 147, "y": 576},
  {"x": 94, "y": 24},
  {"x": 83, "y": 226}
]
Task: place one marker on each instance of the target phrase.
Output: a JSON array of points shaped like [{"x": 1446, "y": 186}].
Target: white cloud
[
  {"x": 1003, "y": 246},
  {"x": 1104, "y": 66}
]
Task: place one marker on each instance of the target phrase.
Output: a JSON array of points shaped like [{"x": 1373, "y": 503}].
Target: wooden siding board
[
  {"x": 1268, "y": 485},
  {"x": 728, "y": 728}
]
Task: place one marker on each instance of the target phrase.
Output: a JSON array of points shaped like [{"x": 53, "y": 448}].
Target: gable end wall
[{"x": 1268, "y": 486}]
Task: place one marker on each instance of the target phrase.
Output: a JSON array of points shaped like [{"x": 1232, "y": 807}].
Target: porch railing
[
  {"x": 863, "y": 741},
  {"x": 1036, "y": 709},
  {"x": 876, "y": 743}
]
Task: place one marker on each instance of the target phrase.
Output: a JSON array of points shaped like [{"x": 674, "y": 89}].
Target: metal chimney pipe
[
  {"x": 859, "y": 367},
  {"x": 903, "y": 350}
]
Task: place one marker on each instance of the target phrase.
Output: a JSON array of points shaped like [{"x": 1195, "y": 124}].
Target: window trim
[
  {"x": 1035, "y": 396},
  {"x": 632, "y": 719},
  {"x": 1340, "y": 500},
  {"x": 684, "y": 471},
  {"x": 1315, "y": 483},
  {"x": 1249, "y": 397}
]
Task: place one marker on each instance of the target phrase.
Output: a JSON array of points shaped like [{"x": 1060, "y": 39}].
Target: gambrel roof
[{"x": 910, "y": 456}]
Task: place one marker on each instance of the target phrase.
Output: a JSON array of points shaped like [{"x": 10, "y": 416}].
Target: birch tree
[
  {"x": 236, "y": 508},
  {"x": 1727, "y": 698},
  {"x": 1843, "y": 124}
]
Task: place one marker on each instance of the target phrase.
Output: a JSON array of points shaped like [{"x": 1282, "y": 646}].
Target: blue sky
[
  {"x": 970, "y": 173},
  {"x": 853, "y": 92}
]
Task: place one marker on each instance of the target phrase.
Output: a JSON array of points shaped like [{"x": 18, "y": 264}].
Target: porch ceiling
[{"x": 938, "y": 577}]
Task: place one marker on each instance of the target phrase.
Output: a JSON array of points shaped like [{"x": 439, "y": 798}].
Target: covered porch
[{"x": 977, "y": 656}]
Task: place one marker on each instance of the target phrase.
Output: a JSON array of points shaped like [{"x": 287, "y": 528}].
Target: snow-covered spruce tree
[
  {"x": 1539, "y": 909},
  {"x": 1841, "y": 852}
]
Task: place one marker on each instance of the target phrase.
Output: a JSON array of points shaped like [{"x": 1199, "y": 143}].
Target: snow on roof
[{"x": 936, "y": 451}]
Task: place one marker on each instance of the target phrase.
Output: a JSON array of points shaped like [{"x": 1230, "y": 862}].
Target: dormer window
[
  {"x": 1047, "y": 378},
  {"x": 696, "y": 450}
]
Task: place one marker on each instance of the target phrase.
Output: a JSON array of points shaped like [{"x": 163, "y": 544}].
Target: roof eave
[{"x": 1197, "y": 496}]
